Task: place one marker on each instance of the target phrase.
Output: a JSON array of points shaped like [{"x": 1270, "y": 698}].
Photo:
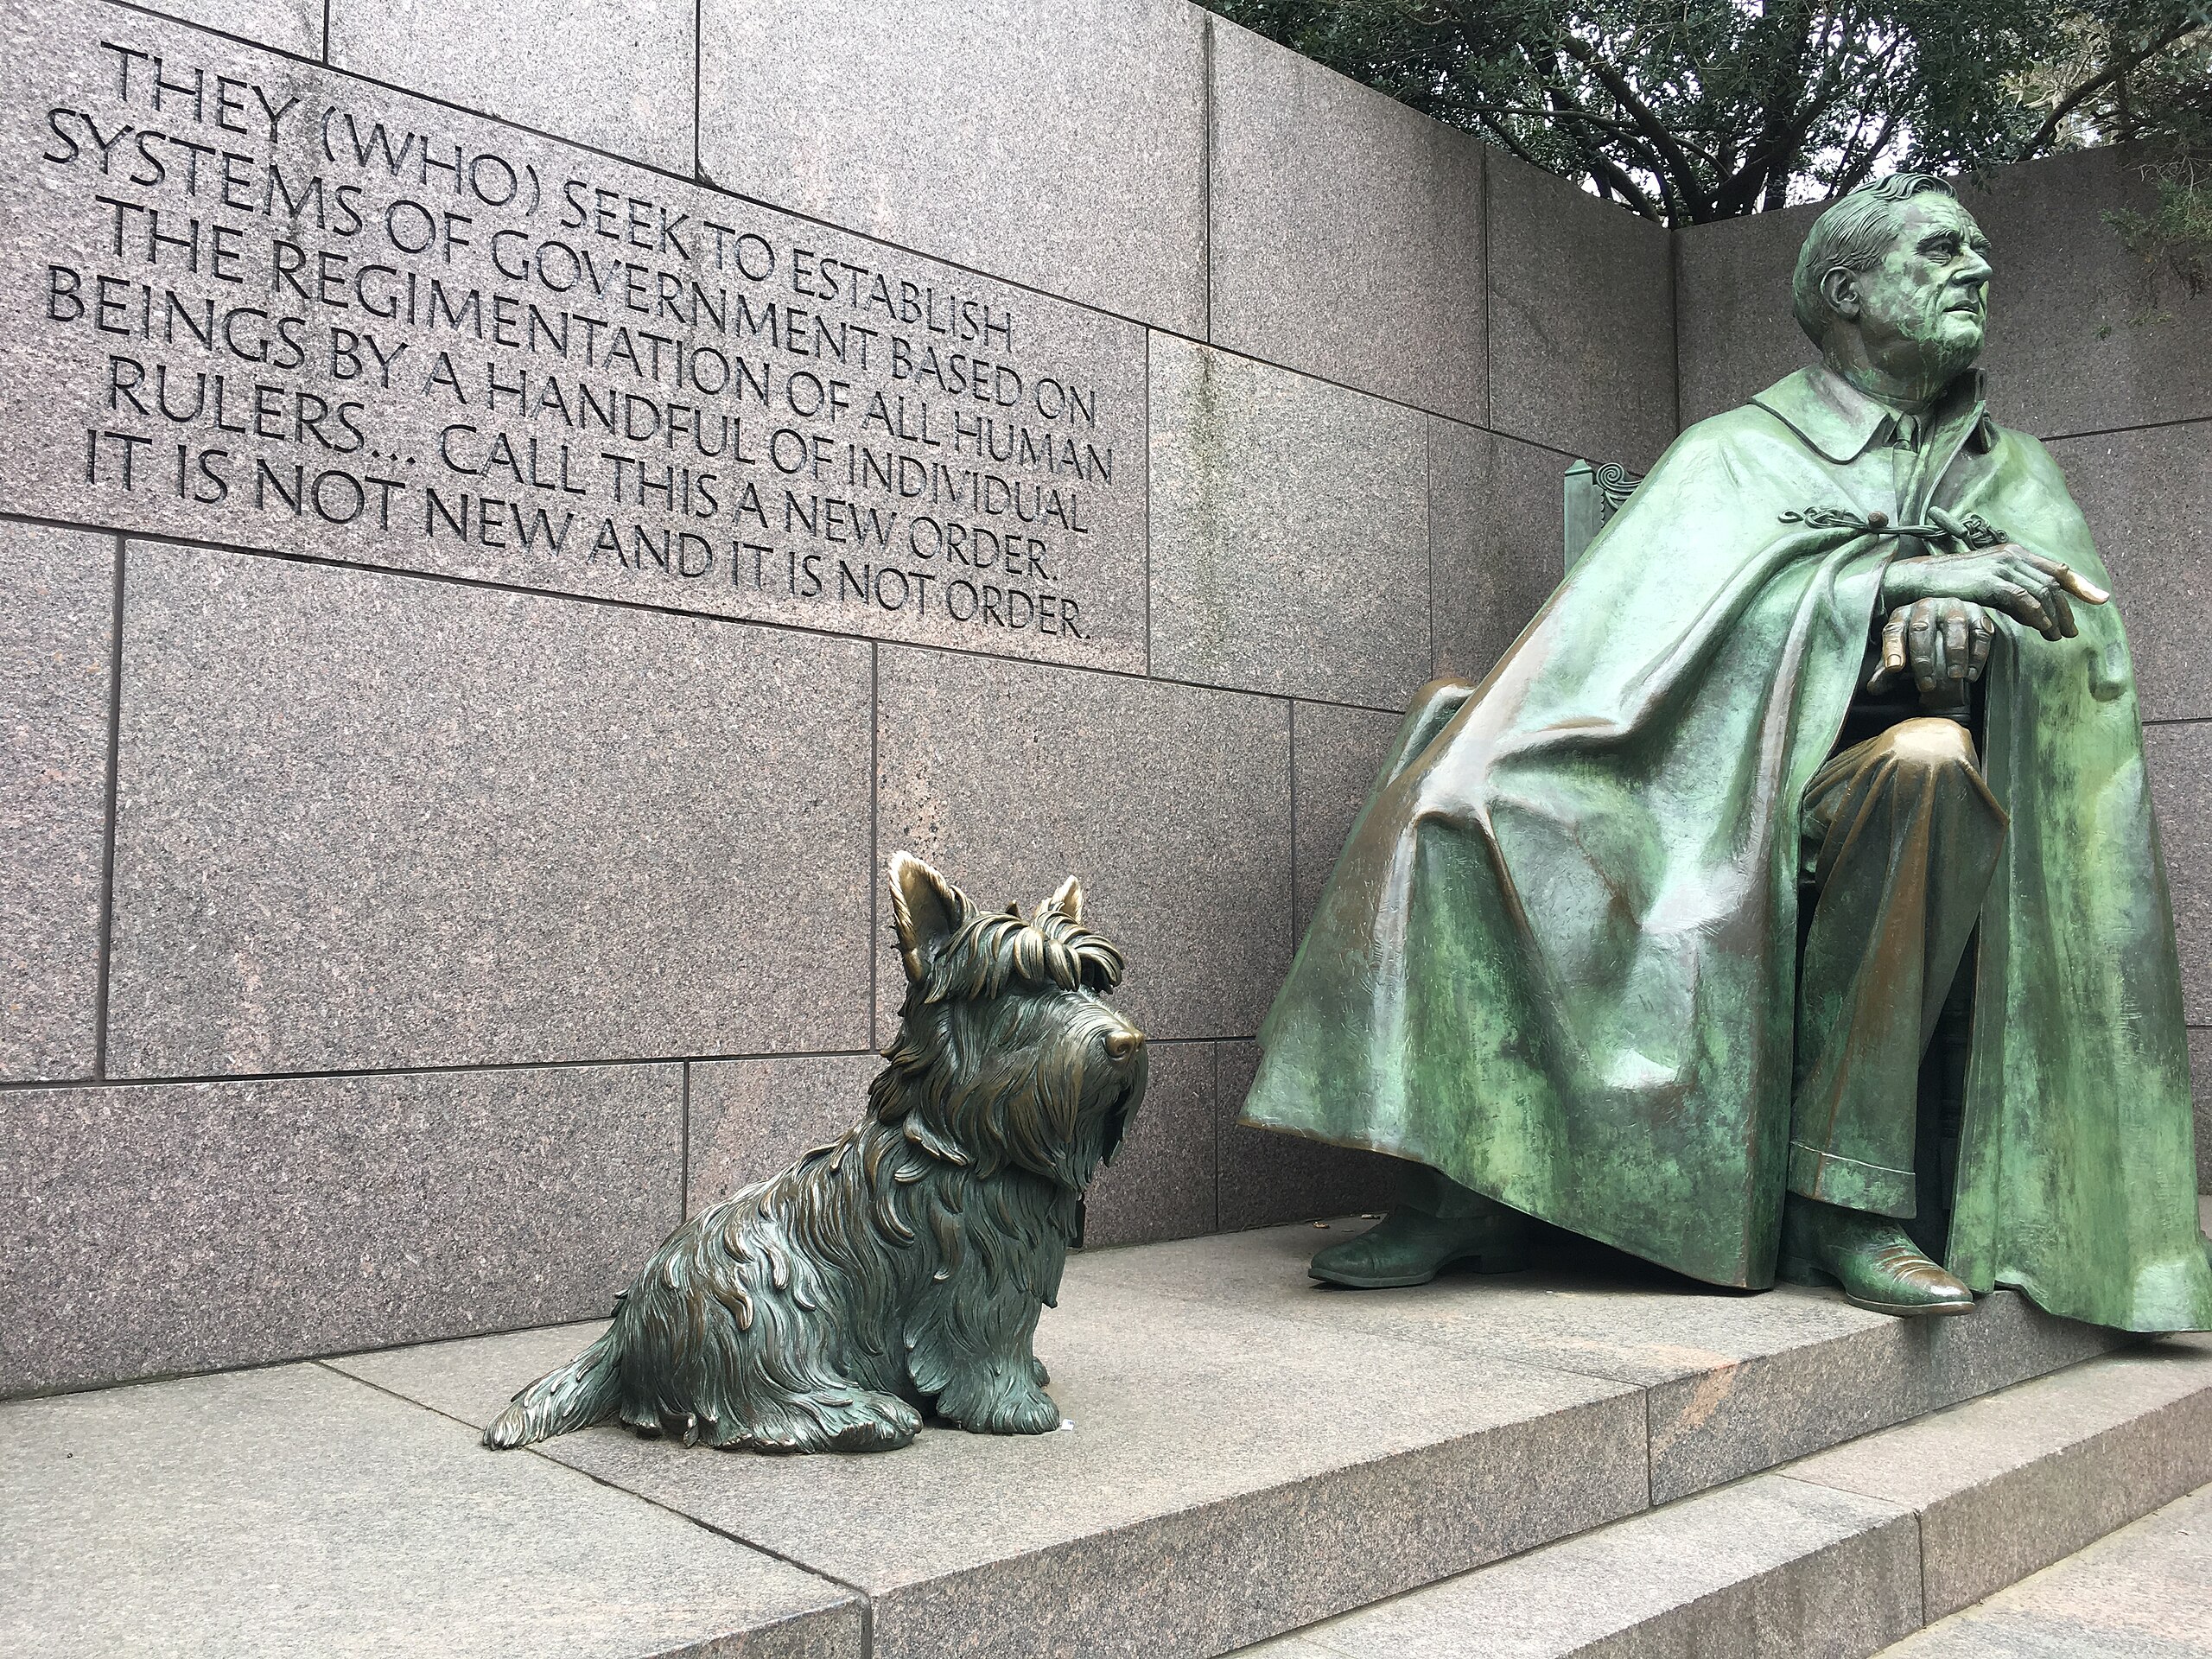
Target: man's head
[{"x": 1895, "y": 278}]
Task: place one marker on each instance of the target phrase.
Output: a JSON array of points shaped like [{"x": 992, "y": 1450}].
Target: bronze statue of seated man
[{"x": 1787, "y": 900}]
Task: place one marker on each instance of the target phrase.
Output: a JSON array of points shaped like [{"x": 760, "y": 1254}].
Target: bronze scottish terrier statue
[{"x": 903, "y": 1268}]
